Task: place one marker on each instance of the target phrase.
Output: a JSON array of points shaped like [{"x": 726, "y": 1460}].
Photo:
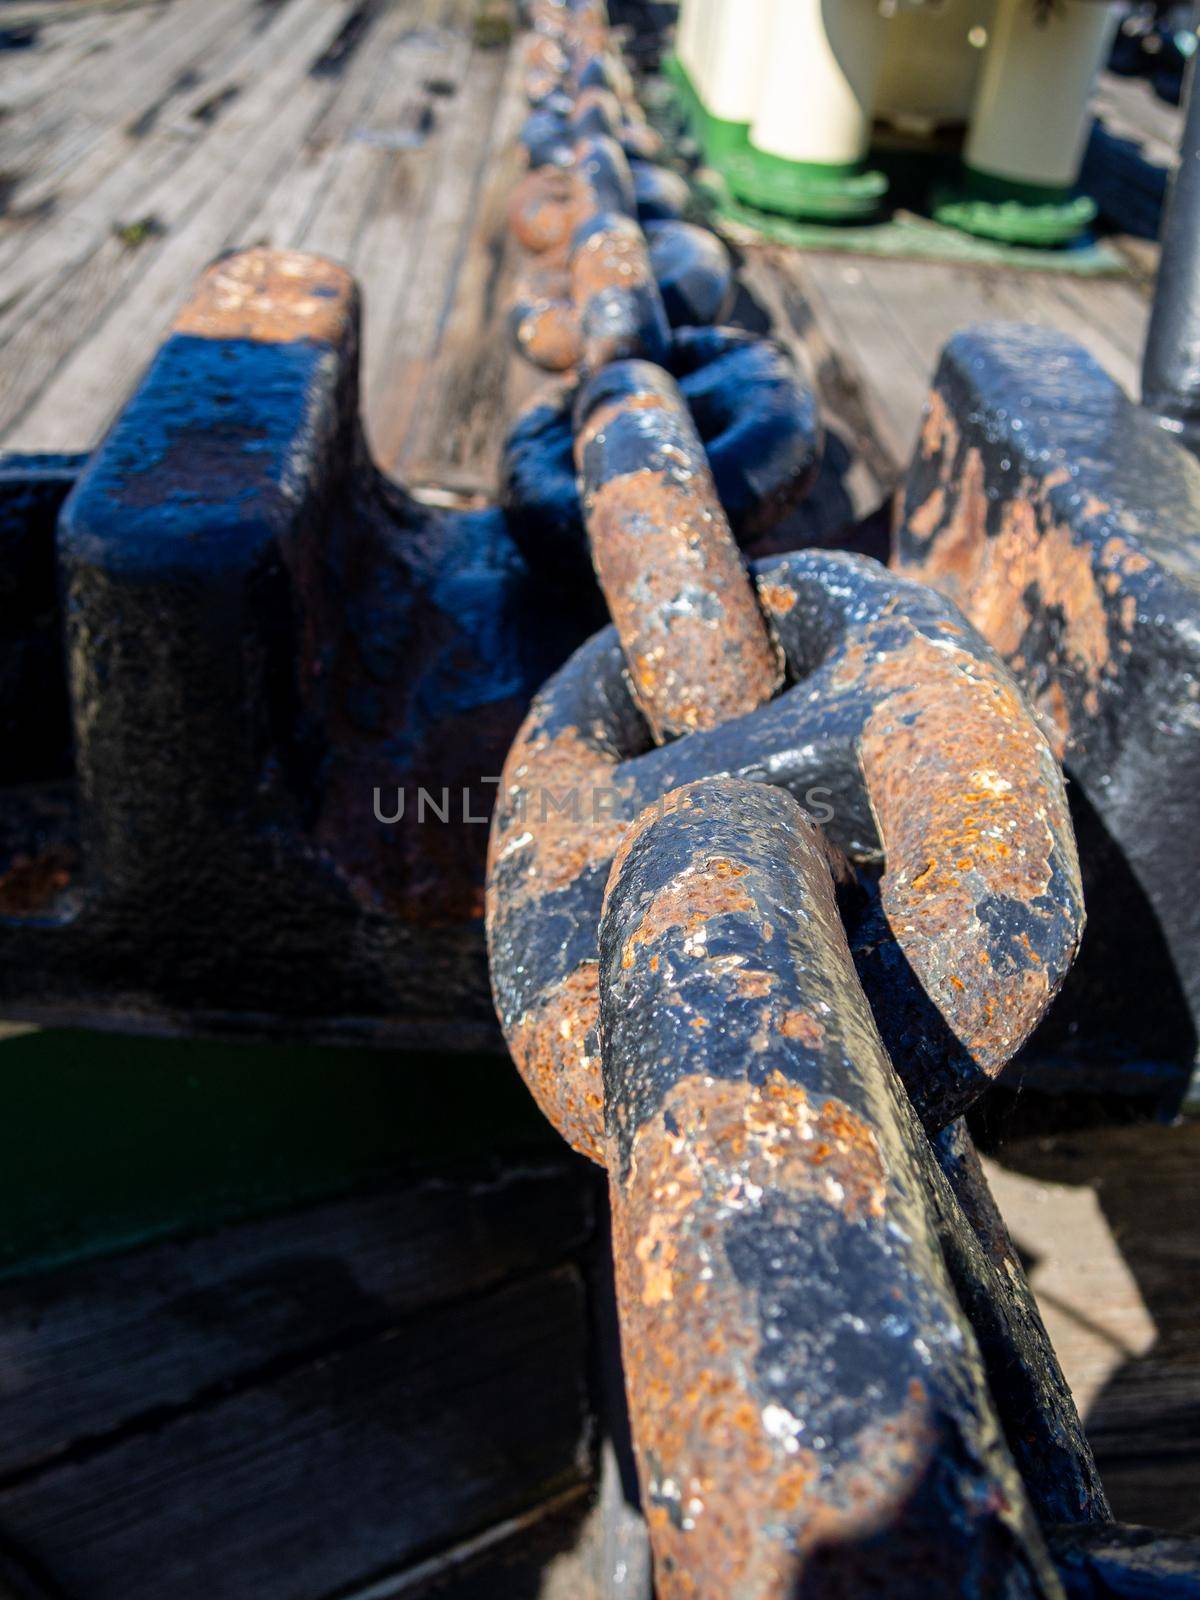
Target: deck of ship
[{"x": 221, "y": 1414}]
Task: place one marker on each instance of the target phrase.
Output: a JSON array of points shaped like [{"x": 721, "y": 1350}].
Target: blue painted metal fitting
[{"x": 270, "y": 652}]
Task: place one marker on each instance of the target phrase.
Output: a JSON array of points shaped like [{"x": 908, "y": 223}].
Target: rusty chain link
[{"x": 708, "y": 994}]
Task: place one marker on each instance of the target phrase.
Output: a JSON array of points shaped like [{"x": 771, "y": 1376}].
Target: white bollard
[
  {"x": 931, "y": 65},
  {"x": 737, "y": 51},
  {"x": 1030, "y": 117},
  {"x": 819, "y": 79},
  {"x": 699, "y": 35},
  {"x": 688, "y": 33}
]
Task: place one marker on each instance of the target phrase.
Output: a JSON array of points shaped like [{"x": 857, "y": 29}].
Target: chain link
[{"x": 798, "y": 1364}]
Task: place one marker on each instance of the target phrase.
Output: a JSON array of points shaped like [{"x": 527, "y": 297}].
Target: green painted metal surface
[
  {"x": 792, "y": 188},
  {"x": 882, "y": 212},
  {"x": 718, "y": 139},
  {"x": 804, "y": 189},
  {"x": 110, "y": 1141},
  {"x": 1011, "y": 212}
]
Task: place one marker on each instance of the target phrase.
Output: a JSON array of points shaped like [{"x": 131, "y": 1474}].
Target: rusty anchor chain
[
  {"x": 900, "y": 722},
  {"x": 756, "y": 418},
  {"x": 807, "y": 1398},
  {"x": 696, "y": 644},
  {"x": 614, "y": 273},
  {"x": 673, "y": 974},
  {"x": 565, "y": 869}
]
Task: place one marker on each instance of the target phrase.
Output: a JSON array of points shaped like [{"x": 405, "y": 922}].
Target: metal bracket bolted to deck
[
  {"x": 1066, "y": 524},
  {"x": 261, "y": 633}
]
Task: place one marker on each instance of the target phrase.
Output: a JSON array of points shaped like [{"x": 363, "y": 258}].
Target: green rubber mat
[
  {"x": 917, "y": 177},
  {"x": 110, "y": 1141},
  {"x": 905, "y": 235}
]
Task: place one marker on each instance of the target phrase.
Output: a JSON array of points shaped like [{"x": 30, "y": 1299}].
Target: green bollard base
[
  {"x": 718, "y": 138},
  {"x": 833, "y": 193},
  {"x": 1011, "y": 211},
  {"x": 811, "y": 190}
]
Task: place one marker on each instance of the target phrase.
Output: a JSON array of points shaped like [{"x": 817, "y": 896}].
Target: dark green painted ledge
[{"x": 111, "y": 1141}]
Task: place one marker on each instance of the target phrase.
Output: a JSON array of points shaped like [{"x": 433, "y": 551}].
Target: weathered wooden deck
[
  {"x": 140, "y": 139},
  {"x": 223, "y": 1416}
]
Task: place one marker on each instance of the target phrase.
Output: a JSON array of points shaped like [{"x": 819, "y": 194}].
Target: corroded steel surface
[
  {"x": 697, "y": 648},
  {"x": 271, "y": 297},
  {"x": 583, "y": 216},
  {"x": 543, "y": 319},
  {"x": 809, "y": 1409},
  {"x": 545, "y": 208},
  {"x": 551, "y": 202},
  {"x": 756, "y": 417},
  {"x": 567, "y": 113},
  {"x": 660, "y": 195},
  {"x": 907, "y": 733},
  {"x": 580, "y": 201},
  {"x": 261, "y": 634},
  {"x": 620, "y": 309},
  {"x": 690, "y": 266},
  {"x": 692, "y": 269},
  {"x": 1066, "y": 525},
  {"x": 1031, "y": 1395}
]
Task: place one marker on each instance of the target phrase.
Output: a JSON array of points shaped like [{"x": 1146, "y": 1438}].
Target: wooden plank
[
  {"x": 88, "y": 1351},
  {"x": 161, "y": 170},
  {"x": 883, "y": 325},
  {"x": 66, "y": 51},
  {"x": 929, "y": 301},
  {"x": 409, "y": 325},
  {"x": 891, "y": 377},
  {"x": 360, "y": 163},
  {"x": 548, "y": 1553},
  {"x": 1109, "y": 318},
  {"x": 97, "y": 187},
  {"x": 1104, "y": 1221},
  {"x": 110, "y": 318},
  {"x": 295, "y": 197},
  {"x": 360, "y": 1463},
  {"x": 476, "y": 382},
  {"x": 123, "y": 72}
]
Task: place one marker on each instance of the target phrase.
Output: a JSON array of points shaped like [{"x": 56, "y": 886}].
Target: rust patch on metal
[
  {"x": 545, "y": 323},
  {"x": 695, "y": 641},
  {"x": 1119, "y": 555},
  {"x": 546, "y": 207},
  {"x": 731, "y": 1491},
  {"x": 553, "y": 1047},
  {"x": 958, "y": 548},
  {"x": 271, "y": 297},
  {"x": 616, "y": 257},
  {"x": 544, "y": 54},
  {"x": 612, "y": 262},
  {"x": 557, "y": 817},
  {"x": 709, "y": 889},
  {"x": 777, "y": 597},
  {"x": 926, "y": 519},
  {"x": 762, "y": 1136},
  {"x": 1030, "y": 561},
  {"x": 795, "y": 1359},
  {"x": 697, "y": 648},
  {"x": 969, "y": 805},
  {"x": 939, "y": 430}
]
